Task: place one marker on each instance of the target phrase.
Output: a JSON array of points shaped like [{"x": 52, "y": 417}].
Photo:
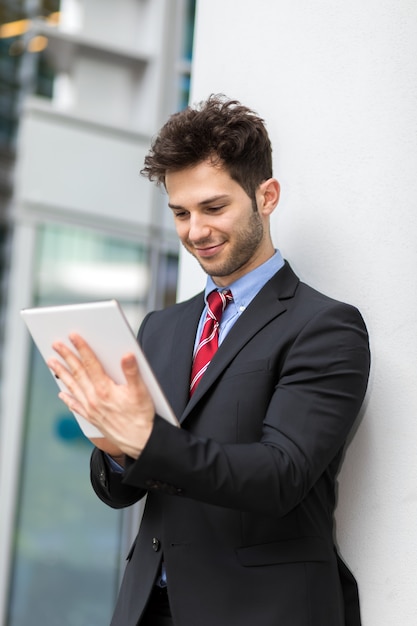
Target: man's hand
[
  {"x": 124, "y": 414},
  {"x": 110, "y": 448}
]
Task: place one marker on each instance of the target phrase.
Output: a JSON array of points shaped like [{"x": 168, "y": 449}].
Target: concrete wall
[{"x": 336, "y": 83}]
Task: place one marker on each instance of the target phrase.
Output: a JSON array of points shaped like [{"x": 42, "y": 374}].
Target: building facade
[{"x": 85, "y": 85}]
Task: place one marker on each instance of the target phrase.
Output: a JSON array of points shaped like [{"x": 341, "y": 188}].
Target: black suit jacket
[{"x": 241, "y": 498}]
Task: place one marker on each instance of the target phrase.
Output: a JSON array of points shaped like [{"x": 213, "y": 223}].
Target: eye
[
  {"x": 214, "y": 209},
  {"x": 179, "y": 215}
]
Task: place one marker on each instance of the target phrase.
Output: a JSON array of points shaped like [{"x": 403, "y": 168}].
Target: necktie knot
[
  {"x": 209, "y": 340},
  {"x": 217, "y": 302}
]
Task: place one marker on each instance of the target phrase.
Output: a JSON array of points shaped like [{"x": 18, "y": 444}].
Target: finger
[
  {"x": 76, "y": 366},
  {"x": 130, "y": 370},
  {"x": 71, "y": 372},
  {"x": 65, "y": 376},
  {"x": 136, "y": 387},
  {"x": 72, "y": 403},
  {"x": 87, "y": 356},
  {"x": 69, "y": 356},
  {"x": 59, "y": 370}
]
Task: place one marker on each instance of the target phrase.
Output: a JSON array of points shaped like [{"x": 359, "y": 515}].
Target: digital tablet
[{"x": 105, "y": 328}]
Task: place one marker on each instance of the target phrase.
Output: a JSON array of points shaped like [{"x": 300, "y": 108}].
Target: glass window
[
  {"x": 187, "y": 52},
  {"x": 67, "y": 542}
]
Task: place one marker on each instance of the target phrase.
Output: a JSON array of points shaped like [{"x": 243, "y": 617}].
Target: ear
[{"x": 267, "y": 196}]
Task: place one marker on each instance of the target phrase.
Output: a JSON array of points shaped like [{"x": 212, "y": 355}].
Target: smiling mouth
[{"x": 208, "y": 251}]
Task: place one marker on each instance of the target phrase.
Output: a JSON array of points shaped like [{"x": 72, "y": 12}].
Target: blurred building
[{"x": 84, "y": 84}]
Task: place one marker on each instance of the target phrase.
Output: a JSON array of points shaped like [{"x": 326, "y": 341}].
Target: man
[{"x": 238, "y": 522}]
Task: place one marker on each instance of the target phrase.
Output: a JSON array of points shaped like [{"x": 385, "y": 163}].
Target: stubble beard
[{"x": 246, "y": 242}]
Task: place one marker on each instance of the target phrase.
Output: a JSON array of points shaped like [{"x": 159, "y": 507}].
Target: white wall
[{"x": 336, "y": 83}]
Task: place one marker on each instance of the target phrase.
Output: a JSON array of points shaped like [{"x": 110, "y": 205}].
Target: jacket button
[
  {"x": 103, "y": 478},
  {"x": 156, "y": 544}
]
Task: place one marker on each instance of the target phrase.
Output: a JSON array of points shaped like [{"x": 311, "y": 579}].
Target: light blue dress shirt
[{"x": 244, "y": 290}]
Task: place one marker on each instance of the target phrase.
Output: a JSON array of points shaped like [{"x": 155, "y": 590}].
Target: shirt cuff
[{"x": 114, "y": 466}]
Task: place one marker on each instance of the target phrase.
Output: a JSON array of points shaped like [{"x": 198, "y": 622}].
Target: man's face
[{"x": 216, "y": 222}]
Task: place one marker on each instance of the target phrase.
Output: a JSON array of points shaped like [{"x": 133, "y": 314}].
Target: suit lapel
[
  {"x": 182, "y": 352},
  {"x": 267, "y": 305}
]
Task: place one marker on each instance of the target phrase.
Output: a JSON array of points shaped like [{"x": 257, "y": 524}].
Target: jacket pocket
[
  {"x": 247, "y": 367},
  {"x": 291, "y": 551}
]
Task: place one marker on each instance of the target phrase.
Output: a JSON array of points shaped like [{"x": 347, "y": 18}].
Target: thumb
[{"x": 130, "y": 369}]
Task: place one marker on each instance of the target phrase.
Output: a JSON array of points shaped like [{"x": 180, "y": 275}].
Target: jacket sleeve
[
  {"x": 108, "y": 484},
  {"x": 315, "y": 400}
]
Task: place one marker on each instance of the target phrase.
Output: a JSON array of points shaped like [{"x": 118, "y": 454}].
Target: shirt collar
[{"x": 247, "y": 287}]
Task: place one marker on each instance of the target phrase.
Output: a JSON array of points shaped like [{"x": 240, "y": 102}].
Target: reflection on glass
[
  {"x": 187, "y": 53},
  {"x": 75, "y": 262},
  {"x": 67, "y": 543}
]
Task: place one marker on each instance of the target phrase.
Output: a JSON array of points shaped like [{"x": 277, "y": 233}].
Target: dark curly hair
[{"x": 219, "y": 129}]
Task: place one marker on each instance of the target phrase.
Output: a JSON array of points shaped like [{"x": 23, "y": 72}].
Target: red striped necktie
[{"x": 209, "y": 340}]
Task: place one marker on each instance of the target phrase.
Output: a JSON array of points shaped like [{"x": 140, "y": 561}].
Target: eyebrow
[{"x": 203, "y": 203}]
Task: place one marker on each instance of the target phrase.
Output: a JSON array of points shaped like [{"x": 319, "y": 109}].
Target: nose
[{"x": 199, "y": 229}]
